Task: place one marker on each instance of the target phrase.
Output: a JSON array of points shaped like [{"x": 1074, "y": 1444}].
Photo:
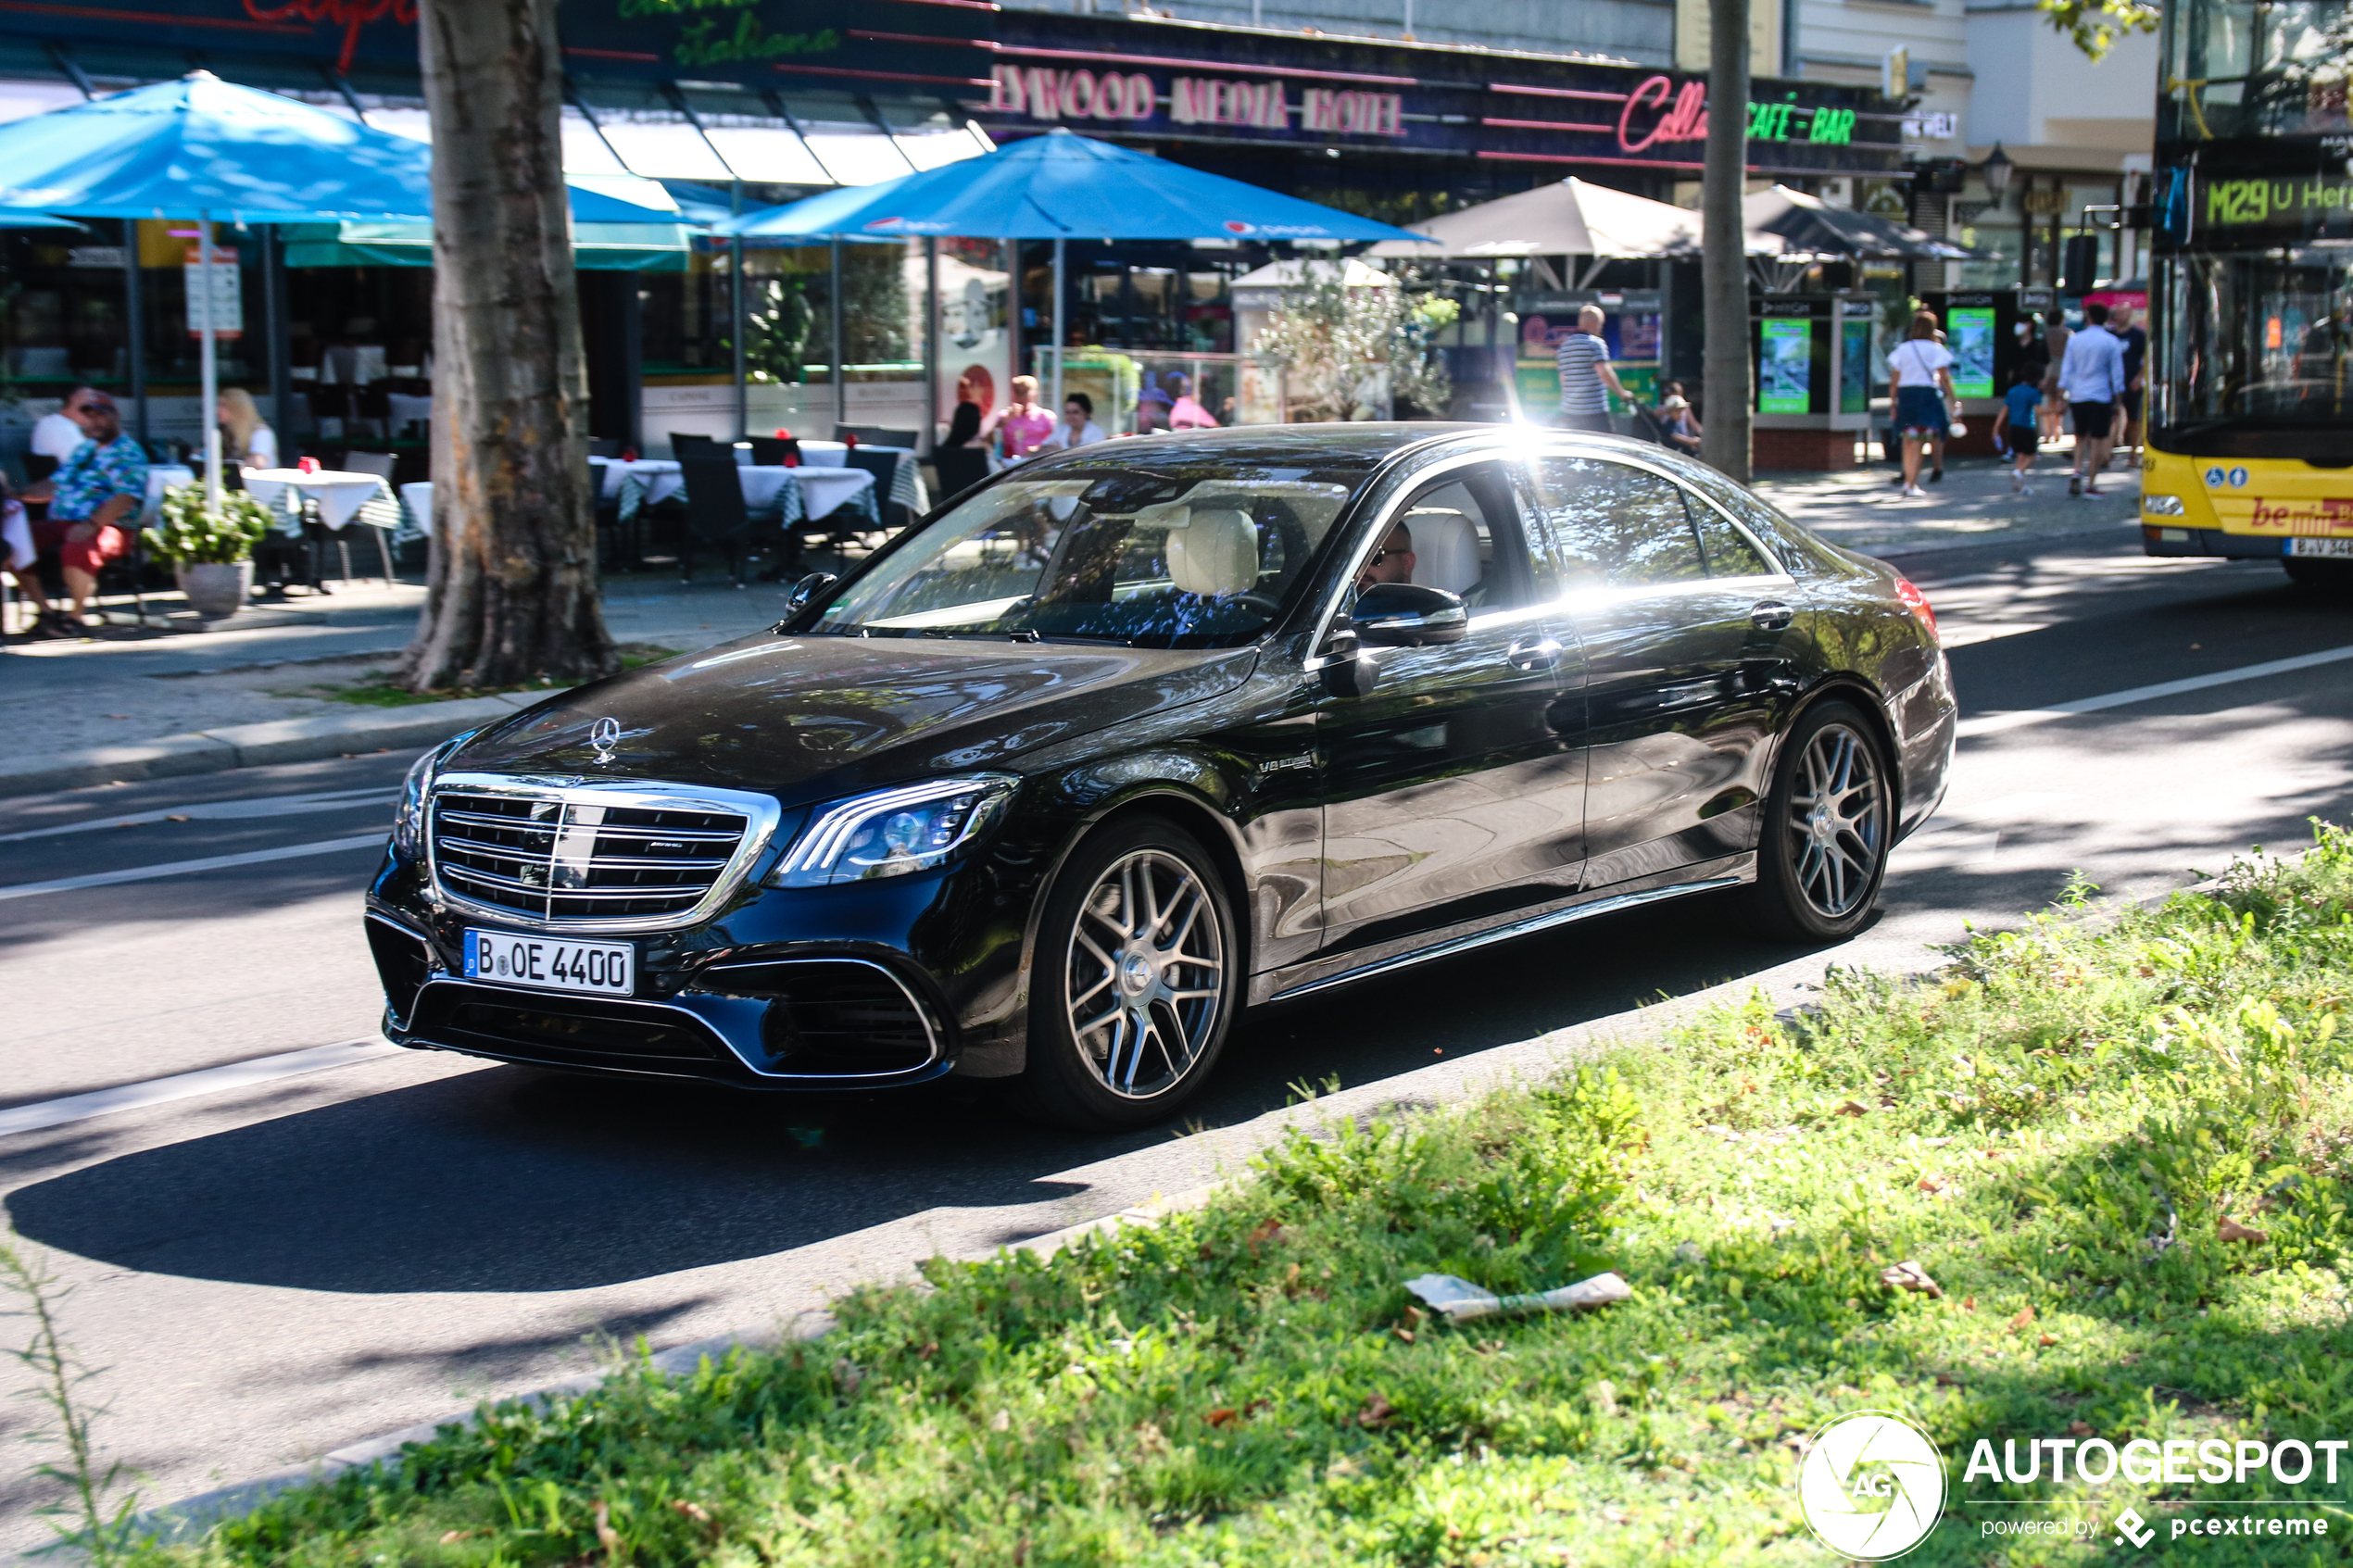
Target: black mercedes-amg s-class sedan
[{"x": 1129, "y": 738}]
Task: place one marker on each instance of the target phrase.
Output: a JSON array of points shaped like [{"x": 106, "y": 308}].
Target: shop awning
[{"x": 595, "y": 247}]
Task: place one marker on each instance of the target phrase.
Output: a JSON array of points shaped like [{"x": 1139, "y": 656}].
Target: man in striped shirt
[{"x": 1585, "y": 371}]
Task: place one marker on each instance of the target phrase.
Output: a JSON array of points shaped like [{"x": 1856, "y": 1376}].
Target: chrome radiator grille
[{"x": 570, "y": 861}]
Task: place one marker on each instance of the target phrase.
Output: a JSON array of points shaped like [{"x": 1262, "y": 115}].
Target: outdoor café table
[
  {"x": 796, "y": 495},
  {"x": 341, "y": 498},
  {"x": 907, "y": 476}
]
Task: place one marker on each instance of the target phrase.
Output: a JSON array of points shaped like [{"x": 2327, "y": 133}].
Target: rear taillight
[{"x": 1917, "y": 602}]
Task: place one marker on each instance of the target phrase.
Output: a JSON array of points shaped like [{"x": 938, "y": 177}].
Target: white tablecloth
[
  {"x": 340, "y": 495},
  {"x": 815, "y": 493},
  {"x": 162, "y": 477},
  {"x": 405, "y": 407},
  {"x": 417, "y": 498},
  {"x": 907, "y": 485}
]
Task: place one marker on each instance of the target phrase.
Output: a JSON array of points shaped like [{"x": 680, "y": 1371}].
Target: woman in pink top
[
  {"x": 1185, "y": 413},
  {"x": 1023, "y": 425}
]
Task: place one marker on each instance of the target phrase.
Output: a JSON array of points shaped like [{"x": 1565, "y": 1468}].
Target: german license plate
[
  {"x": 551, "y": 964},
  {"x": 2335, "y": 550}
]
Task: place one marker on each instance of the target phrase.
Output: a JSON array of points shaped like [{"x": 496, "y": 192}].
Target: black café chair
[
  {"x": 959, "y": 467},
  {"x": 883, "y": 466},
  {"x": 875, "y": 435},
  {"x": 716, "y": 516},
  {"x": 682, "y": 445},
  {"x": 617, "y": 545},
  {"x": 771, "y": 451}
]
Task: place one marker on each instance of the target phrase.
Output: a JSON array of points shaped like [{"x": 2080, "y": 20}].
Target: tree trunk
[
  {"x": 1723, "y": 264},
  {"x": 513, "y": 592}
]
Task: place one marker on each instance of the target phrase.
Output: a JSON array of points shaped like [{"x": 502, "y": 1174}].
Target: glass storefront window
[
  {"x": 2256, "y": 67},
  {"x": 2260, "y": 361}
]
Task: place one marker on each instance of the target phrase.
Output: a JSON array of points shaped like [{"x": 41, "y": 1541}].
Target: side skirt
[{"x": 1300, "y": 980}]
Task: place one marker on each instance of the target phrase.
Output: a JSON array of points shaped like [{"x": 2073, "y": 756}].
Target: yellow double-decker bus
[{"x": 2249, "y": 379}]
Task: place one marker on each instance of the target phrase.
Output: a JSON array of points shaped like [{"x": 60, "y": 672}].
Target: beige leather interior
[{"x": 1216, "y": 553}]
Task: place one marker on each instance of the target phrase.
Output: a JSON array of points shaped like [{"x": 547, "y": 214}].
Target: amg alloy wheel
[
  {"x": 1136, "y": 979},
  {"x": 1827, "y": 827}
]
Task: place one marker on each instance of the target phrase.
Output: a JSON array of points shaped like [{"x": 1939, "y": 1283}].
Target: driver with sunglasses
[{"x": 1393, "y": 562}]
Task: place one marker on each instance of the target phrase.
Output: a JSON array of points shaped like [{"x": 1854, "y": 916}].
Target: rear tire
[
  {"x": 1135, "y": 981},
  {"x": 1829, "y": 825},
  {"x": 2332, "y": 577}
]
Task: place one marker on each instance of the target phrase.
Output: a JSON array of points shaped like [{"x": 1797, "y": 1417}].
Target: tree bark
[
  {"x": 1723, "y": 264},
  {"x": 513, "y": 591}
]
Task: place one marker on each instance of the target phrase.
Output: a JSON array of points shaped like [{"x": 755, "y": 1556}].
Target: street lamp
[{"x": 1996, "y": 173}]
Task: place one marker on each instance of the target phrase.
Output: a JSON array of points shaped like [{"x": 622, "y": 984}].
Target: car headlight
[
  {"x": 2162, "y": 506},
  {"x": 893, "y": 831},
  {"x": 408, "y": 816}
]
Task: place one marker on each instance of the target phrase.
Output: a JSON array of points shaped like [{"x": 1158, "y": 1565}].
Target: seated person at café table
[
  {"x": 1023, "y": 425},
  {"x": 1079, "y": 427},
  {"x": 244, "y": 440},
  {"x": 93, "y": 498}
]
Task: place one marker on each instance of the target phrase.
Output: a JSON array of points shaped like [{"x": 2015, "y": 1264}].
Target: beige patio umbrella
[{"x": 1568, "y": 217}]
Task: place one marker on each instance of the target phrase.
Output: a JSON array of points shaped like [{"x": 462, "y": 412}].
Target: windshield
[
  {"x": 1133, "y": 556},
  {"x": 2256, "y": 67},
  {"x": 2257, "y": 361}
]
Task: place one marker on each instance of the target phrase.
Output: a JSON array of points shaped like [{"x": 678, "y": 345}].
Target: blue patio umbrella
[
  {"x": 1053, "y": 187},
  {"x": 1056, "y": 186},
  {"x": 207, "y": 149}
]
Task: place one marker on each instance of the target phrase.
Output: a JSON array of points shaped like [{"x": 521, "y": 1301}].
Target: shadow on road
[{"x": 512, "y": 1179}]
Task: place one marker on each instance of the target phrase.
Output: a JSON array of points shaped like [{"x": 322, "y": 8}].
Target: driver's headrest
[
  {"x": 1445, "y": 549},
  {"x": 1215, "y": 552}
]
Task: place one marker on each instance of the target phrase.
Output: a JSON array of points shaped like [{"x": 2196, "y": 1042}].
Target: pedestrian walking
[
  {"x": 2016, "y": 425},
  {"x": 2092, "y": 379},
  {"x": 1585, "y": 372},
  {"x": 2127, "y": 425},
  {"x": 1920, "y": 372}
]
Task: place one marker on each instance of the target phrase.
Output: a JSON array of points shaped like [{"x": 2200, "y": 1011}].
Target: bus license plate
[
  {"x": 2334, "y": 549},
  {"x": 551, "y": 963}
]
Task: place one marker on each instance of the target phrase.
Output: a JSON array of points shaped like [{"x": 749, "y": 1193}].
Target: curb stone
[
  {"x": 253, "y": 745},
  {"x": 190, "y": 1517}
]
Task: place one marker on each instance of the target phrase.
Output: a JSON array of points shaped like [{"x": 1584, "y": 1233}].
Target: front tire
[
  {"x": 1135, "y": 982},
  {"x": 1829, "y": 825}
]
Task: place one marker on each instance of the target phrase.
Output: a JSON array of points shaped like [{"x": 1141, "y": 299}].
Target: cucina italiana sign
[{"x": 1044, "y": 93}]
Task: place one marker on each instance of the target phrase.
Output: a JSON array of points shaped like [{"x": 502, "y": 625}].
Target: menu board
[
  {"x": 1969, "y": 334},
  {"x": 1785, "y": 371}
]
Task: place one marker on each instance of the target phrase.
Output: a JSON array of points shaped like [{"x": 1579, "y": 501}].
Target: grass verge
[
  {"x": 2055, "y": 1129},
  {"x": 373, "y": 691}
]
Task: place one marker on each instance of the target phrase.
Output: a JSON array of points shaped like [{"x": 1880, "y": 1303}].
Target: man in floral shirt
[{"x": 94, "y": 500}]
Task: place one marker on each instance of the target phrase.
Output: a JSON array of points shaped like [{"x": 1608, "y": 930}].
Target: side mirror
[
  {"x": 1406, "y": 615},
  {"x": 1350, "y": 670},
  {"x": 802, "y": 591}
]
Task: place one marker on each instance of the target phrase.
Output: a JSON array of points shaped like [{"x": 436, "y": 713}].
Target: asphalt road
[{"x": 270, "y": 1270}]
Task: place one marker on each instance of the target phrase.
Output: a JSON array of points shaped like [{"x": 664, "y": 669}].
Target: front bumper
[
  {"x": 867, "y": 986},
  {"x": 2156, "y": 540}
]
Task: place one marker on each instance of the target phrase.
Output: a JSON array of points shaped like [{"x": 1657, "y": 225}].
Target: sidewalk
[{"x": 184, "y": 696}]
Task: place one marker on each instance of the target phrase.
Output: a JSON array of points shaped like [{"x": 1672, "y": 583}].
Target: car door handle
[
  {"x": 1544, "y": 653},
  {"x": 1771, "y": 616}
]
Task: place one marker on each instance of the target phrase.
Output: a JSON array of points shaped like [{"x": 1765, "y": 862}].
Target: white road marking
[
  {"x": 1996, "y": 723},
  {"x": 186, "y": 1085},
  {"x": 223, "y": 810},
  {"x": 181, "y": 868}
]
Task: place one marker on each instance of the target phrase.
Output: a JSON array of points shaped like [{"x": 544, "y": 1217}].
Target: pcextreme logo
[{"x": 1871, "y": 1485}]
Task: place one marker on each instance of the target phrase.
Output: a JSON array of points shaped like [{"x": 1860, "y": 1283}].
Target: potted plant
[{"x": 211, "y": 553}]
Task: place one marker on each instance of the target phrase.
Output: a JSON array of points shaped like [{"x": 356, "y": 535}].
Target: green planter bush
[{"x": 210, "y": 552}]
